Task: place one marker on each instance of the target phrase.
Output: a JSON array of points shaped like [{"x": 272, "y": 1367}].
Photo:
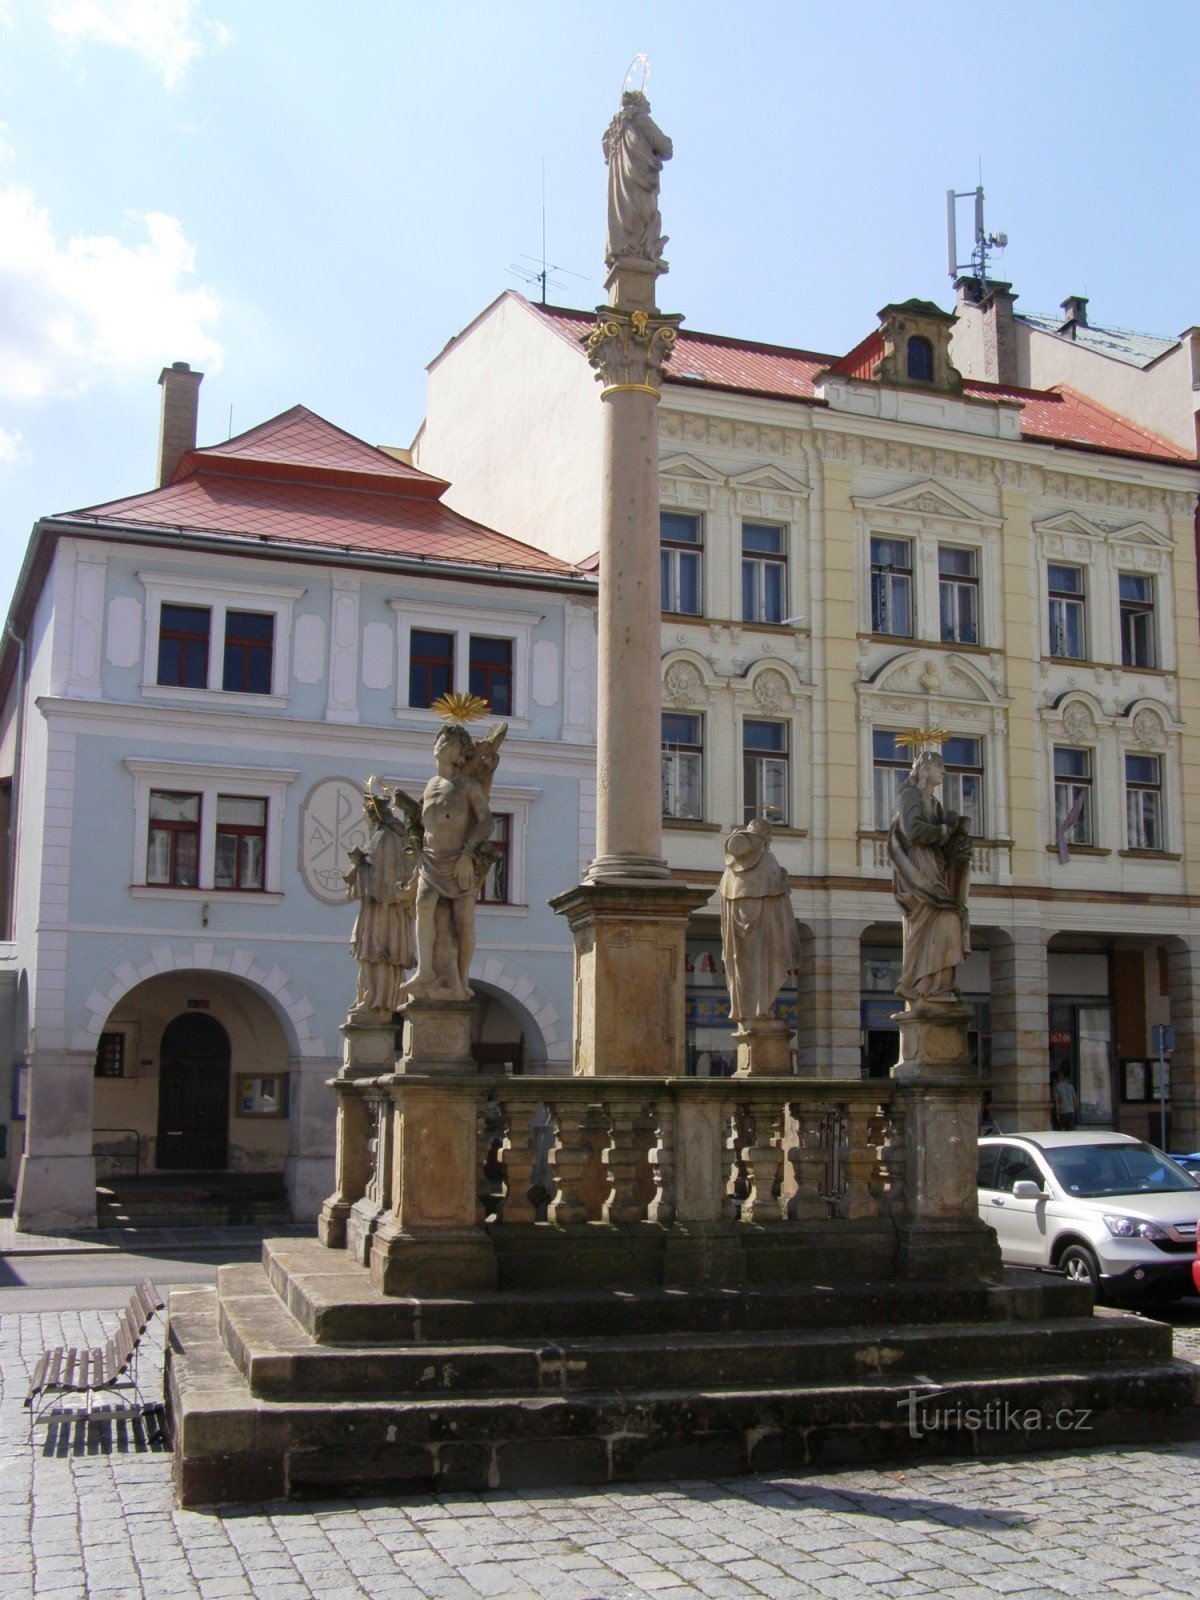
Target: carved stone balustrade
[{"x": 543, "y": 1182}]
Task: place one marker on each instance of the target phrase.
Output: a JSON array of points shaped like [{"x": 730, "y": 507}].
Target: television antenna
[
  {"x": 539, "y": 269},
  {"x": 985, "y": 242}
]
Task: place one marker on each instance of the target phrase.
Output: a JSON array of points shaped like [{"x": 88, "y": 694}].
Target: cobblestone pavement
[{"x": 90, "y": 1514}]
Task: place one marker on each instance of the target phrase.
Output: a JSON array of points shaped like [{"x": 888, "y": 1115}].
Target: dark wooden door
[{"x": 193, "y": 1094}]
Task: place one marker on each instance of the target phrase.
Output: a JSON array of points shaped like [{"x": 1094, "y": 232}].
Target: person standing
[{"x": 1065, "y": 1101}]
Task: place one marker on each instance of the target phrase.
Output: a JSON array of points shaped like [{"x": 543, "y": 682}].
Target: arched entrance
[{"x": 193, "y": 1095}]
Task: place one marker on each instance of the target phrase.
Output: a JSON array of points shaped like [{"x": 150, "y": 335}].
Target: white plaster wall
[{"x": 515, "y": 422}]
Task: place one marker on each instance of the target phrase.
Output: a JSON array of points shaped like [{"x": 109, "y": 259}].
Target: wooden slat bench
[{"x": 110, "y": 1369}]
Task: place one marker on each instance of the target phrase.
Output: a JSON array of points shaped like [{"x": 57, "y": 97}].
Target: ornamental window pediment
[
  {"x": 687, "y": 679},
  {"x": 687, "y": 481},
  {"x": 935, "y": 676},
  {"x": 925, "y": 502}
]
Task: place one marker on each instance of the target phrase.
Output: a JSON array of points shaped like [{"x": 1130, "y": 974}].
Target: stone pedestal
[
  {"x": 933, "y": 1041},
  {"x": 629, "y": 975},
  {"x": 437, "y": 1038},
  {"x": 368, "y": 1051},
  {"x": 764, "y": 1048}
]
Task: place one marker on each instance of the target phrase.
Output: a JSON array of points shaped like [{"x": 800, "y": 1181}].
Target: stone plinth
[
  {"x": 437, "y": 1038},
  {"x": 629, "y": 975},
  {"x": 368, "y": 1051},
  {"x": 933, "y": 1041},
  {"x": 764, "y": 1048}
]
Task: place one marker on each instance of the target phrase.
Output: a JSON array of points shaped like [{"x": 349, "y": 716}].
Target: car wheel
[{"x": 1080, "y": 1266}]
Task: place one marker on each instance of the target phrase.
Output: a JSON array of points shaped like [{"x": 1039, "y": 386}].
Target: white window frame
[
  {"x": 692, "y": 753},
  {"x": 907, "y": 576},
  {"x": 758, "y": 561},
  {"x": 674, "y": 552},
  {"x": 1145, "y": 608},
  {"x": 1132, "y": 788},
  {"x": 208, "y": 781},
  {"x": 1065, "y": 598},
  {"x": 761, "y": 758},
  {"x": 462, "y": 622},
  {"x": 218, "y": 597}
]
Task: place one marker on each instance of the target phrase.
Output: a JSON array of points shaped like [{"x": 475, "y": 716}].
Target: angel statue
[
  {"x": 452, "y": 824},
  {"x": 383, "y": 879}
]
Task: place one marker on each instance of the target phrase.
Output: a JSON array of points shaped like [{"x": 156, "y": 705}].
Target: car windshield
[{"x": 1097, "y": 1169}]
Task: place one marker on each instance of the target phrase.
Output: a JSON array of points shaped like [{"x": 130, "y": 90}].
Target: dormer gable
[{"x": 916, "y": 348}]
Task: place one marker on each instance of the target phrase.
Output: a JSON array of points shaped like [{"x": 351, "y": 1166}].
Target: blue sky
[{"x": 307, "y": 198}]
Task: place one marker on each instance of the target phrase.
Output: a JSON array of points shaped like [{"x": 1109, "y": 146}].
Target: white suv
[{"x": 1104, "y": 1208}]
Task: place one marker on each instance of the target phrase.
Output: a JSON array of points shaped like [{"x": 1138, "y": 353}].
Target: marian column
[{"x": 629, "y": 916}]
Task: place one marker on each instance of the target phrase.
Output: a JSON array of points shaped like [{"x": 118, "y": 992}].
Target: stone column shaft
[
  {"x": 1020, "y": 1021},
  {"x": 56, "y": 1188}
]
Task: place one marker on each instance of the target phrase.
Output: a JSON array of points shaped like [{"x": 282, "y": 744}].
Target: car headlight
[{"x": 1132, "y": 1228}]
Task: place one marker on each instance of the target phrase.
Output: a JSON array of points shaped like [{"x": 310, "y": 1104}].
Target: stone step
[
  {"x": 231, "y": 1445},
  {"x": 335, "y": 1302},
  {"x": 280, "y": 1361}
]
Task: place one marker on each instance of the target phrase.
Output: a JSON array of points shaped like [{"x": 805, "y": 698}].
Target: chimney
[
  {"x": 180, "y": 407},
  {"x": 1074, "y": 309},
  {"x": 993, "y": 302}
]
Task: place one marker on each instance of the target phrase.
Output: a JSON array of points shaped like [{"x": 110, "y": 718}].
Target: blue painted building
[{"x": 197, "y": 681}]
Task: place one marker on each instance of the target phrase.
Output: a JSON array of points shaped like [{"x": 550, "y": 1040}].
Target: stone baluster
[
  {"x": 737, "y": 1138},
  {"x": 351, "y": 1169},
  {"x": 569, "y": 1162},
  {"x": 859, "y": 1160},
  {"x": 628, "y": 1152},
  {"x": 763, "y": 1159},
  {"x": 520, "y": 1156},
  {"x": 808, "y": 1156},
  {"x": 662, "y": 1164},
  {"x": 887, "y": 1181},
  {"x": 489, "y": 1137}
]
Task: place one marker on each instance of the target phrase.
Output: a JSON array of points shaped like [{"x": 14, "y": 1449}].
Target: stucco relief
[
  {"x": 771, "y": 691},
  {"x": 332, "y": 824},
  {"x": 1078, "y": 722},
  {"x": 123, "y": 640},
  {"x": 1148, "y": 730},
  {"x": 683, "y": 683}
]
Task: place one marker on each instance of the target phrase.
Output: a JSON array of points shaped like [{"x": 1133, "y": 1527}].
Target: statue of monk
[{"x": 759, "y": 938}]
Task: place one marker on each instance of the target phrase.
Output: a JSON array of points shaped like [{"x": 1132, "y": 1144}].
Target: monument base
[
  {"x": 629, "y": 975},
  {"x": 933, "y": 1040},
  {"x": 434, "y": 1261},
  {"x": 437, "y": 1038},
  {"x": 764, "y": 1048}
]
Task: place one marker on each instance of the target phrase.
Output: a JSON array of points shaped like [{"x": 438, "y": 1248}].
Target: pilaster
[
  {"x": 828, "y": 1039},
  {"x": 1021, "y": 622},
  {"x": 1183, "y": 969},
  {"x": 838, "y": 764},
  {"x": 56, "y": 1187},
  {"x": 1020, "y": 1019}
]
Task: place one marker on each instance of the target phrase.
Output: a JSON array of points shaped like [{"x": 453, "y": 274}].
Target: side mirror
[{"x": 1026, "y": 1189}]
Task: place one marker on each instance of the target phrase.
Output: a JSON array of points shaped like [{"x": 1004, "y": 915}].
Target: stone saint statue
[
  {"x": 635, "y": 149},
  {"x": 382, "y": 878},
  {"x": 759, "y": 937},
  {"x": 930, "y": 852},
  {"x": 452, "y": 823}
]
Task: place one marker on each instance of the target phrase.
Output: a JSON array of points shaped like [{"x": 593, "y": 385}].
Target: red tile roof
[
  {"x": 298, "y": 480},
  {"x": 1060, "y": 415}
]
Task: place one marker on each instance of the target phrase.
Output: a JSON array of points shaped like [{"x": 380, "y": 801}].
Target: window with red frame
[
  {"x": 241, "y": 842},
  {"x": 496, "y": 889},
  {"x": 491, "y": 673},
  {"x": 249, "y": 651},
  {"x": 430, "y": 666},
  {"x": 183, "y": 633},
  {"x": 173, "y": 848}
]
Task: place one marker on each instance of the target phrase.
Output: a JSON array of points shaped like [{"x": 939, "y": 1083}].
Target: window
[
  {"x": 210, "y": 637},
  {"x": 1137, "y": 621},
  {"x": 430, "y": 666},
  {"x": 891, "y": 587},
  {"x": 765, "y": 771},
  {"x": 173, "y": 846},
  {"x": 1068, "y": 634},
  {"x": 920, "y": 359},
  {"x": 958, "y": 594},
  {"x": 1073, "y": 794},
  {"x": 183, "y": 635},
  {"x": 472, "y": 650},
  {"x": 262, "y": 1094},
  {"x": 679, "y": 532},
  {"x": 201, "y": 829},
  {"x": 249, "y": 650},
  {"x": 682, "y": 766},
  {"x": 241, "y": 842},
  {"x": 891, "y": 764},
  {"x": 764, "y": 572},
  {"x": 1143, "y": 803},
  {"x": 110, "y": 1056},
  {"x": 962, "y": 789},
  {"x": 495, "y": 890},
  {"x": 490, "y": 673}
]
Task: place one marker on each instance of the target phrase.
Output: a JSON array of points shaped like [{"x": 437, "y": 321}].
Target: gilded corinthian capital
[{"x": 629, "y": 349}]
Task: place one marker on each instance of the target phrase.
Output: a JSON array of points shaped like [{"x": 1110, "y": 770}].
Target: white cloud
[
  {"x": 10, "y": 446},
  {"x": 167, "y": 34},
  {"x": 93, "y": 307}
]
